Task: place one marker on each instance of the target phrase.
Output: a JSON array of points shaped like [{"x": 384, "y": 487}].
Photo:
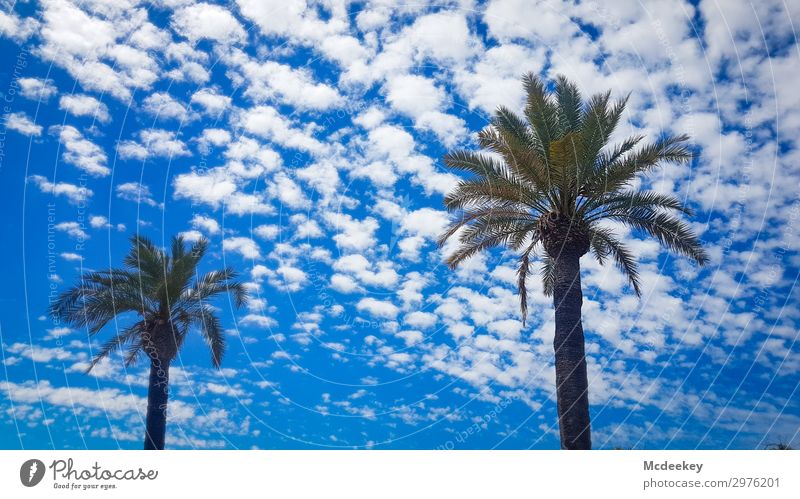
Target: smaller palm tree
[{"x": 169, "y": 298}]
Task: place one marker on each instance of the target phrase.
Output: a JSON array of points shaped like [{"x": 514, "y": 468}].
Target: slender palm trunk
[
  {"x": 572, "y": 385},
  {"x": 157, "y": 398}
]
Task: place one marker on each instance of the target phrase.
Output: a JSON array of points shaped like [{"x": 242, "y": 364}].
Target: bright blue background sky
[{"x": 304, "y": 141}]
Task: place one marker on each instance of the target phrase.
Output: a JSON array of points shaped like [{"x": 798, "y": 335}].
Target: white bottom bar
[{"x": 404, "y": 474}]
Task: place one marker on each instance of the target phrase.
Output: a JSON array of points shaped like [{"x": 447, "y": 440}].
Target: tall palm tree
[
  {"x": 551, "y": 179},
  {"x": 169, "y": 297}
]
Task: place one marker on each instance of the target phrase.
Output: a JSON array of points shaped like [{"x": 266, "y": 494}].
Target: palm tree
[
  {"x": 550, "y": 179},
  {"x": 781, "y": 445},
  {"x": 169, "y": 298}
]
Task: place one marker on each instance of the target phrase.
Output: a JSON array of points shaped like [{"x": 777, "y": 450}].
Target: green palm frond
[
  {"x": 605, "y": 243},
  {"x": 511, "y": 138},
  {"x": 477, "y": 192},
  {"x": 127, "y": 336},
  {"x": 548, "y": 272},
  {"x": 212, "y": 332},
  {"x": 555, "y": 167},
  {"x": 623, "y": 171},
  {"x": 570, "y": 105},
  {"x": 628, "y": 201},
  {"x": 487, "y": 214},
  {"x": 161, "y": 288},
  {"x": 668, "y": 230},
  {"x": 541, "y": 112}
]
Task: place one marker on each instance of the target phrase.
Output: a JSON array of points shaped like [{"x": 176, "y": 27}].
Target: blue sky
[{"x": 304, "y": 140}]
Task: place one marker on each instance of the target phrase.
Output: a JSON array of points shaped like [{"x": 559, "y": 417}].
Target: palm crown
[
  {"x": 161, "y": 288},
  {"x": 551, "y": 178}
]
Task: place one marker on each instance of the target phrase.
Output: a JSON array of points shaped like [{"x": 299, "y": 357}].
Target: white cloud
[
  {"x": 215, "y": 137},
  {"x": 98, "y": 221},
  {"x": 382, "y": 274},
  {"x": 537, "y": 21},
  {"x": 212, "y": 102},
  {"x": 191, "y": 64},
  {"x": 117, "y": 403},
  {"x": 71, "y": 257},
  {"x": 494, "y": 80},
  {"x": 217, "y": 188},
  {"x": 414, "y": 95},
  {"x": 58, "y": 332},
  {"x": 258, "y": 320},
  {"x": 192, "y": 235},
  {"x": 395, "y": 145},
  {"x": 38, "y": 353},
  {"x": 506, "y": 328},
  {"x": 293, "y": 18},
  {"x": 370, "y": 118},
  {"x": 267, "y": 232},
  {"x": 37, "y": 89},
  {"x": 410, "y": 338},
  {"x": 153, "y": 143},
  {"x": 254, "y": 158},
  {"x": 352, "y": 234},
  {"x": 86, "y": 47},
  {"x": 205, "y": 21},
  {"x": 288, "y": 192},
  {"x": 420, "y": 226},
  {"x": 208, "y": 224},
  {"x": 11, "y": 26},
  {"x": 243, "y": 245},
  {"x": 164, "y": 107},
  {"x": 81, "y": 152},
  {"x": 20, "y": 122},
  {"x": 74, "y": 193},
  {"x": 378, "y": 308},
  {"x": 289, "y": 277},
  {"x": 85, "y": 105},
  {"x": 295, "y": 86},
  {"x": 268, "y": 123},
  {"x": 419, "y": 98},
  {"x": 73, "y": 230},
  {"x": 345, "y": 284},
  {"x": 304, "y": 227},
  {"x": 423, "y": 320},
  {"x": 443, "y": 37},
  {"x": 136, "y": 192}
]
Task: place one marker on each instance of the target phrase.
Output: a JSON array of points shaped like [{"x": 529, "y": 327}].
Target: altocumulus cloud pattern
[{"x": 304, "y": 140}]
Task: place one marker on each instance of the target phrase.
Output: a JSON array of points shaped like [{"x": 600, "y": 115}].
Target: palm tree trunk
[
  {"x": 157, "y": 399},
  {"x": 572, "y": 387}
]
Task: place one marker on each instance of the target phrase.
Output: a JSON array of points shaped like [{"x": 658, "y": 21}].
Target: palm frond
[
  {"x": 486, "y": 215},
  {"x": 548, "y": 272},
  {"x": 212, "y": 333},
  {"x": 500, "y": 192},
  {"x": 569, "y": 105},
  {"x": 668, "y": 230},
  {"x": 604, "y": 243},
  {"x": 522, "y": 276},
  {"x": 622, "y": 172},
  {"x": 118, "y": 341},
  {"x": 619, "y": 204},
  {"x": 541, "y": 112}
]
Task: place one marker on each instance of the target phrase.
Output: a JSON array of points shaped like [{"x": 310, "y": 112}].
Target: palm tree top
[
  {"x": 164, "y": 289},
  {"x": 551, "y": 179}
]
